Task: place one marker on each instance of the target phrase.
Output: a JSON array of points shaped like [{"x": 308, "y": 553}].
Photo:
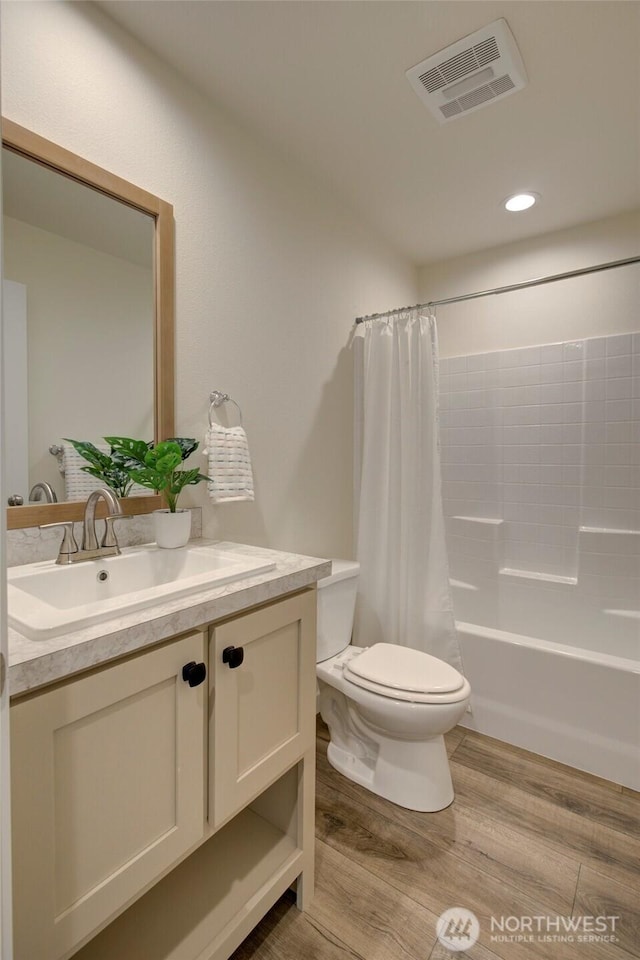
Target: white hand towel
[
  {"x": 77, "y": 483},
  {"x": 229, "y": 464}
]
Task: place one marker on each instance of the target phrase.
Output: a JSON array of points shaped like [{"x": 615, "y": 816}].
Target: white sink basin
[{"x": 46, "y": 600}]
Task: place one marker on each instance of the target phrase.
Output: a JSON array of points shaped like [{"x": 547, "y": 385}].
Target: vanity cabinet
[
  {"x": 158, "y": 821},
  {"x": 262, "y": 681},
  {"x": 107, "y": 792}
]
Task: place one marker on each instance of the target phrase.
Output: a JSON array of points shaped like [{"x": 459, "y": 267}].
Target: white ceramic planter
[{"x": 172, "y": 529}]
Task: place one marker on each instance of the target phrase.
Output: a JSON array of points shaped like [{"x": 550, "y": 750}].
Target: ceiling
[{"x": 325, "y": 81}]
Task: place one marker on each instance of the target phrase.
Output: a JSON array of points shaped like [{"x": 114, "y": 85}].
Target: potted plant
[
  {"x": 156, "y": 466},
  {"x": 110, "y": 468}
]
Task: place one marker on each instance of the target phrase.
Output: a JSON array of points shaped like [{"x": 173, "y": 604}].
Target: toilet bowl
[{"x": 387, "y": 706}]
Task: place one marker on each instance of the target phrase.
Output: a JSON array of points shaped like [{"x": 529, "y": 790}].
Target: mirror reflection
[{"x": 78, "y": 296}]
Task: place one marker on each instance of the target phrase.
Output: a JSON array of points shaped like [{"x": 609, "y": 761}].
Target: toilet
[{"x": 387, "y": 706}]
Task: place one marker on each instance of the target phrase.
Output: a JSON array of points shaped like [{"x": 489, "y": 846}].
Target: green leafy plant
[
  {"x": 111, "y": 468},
  {"x": 156, "y": 465}
]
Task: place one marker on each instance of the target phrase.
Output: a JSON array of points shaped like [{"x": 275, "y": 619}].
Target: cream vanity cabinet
[
  {"x": 262, "y": 716},
  {"x": 155, "y": 820}
]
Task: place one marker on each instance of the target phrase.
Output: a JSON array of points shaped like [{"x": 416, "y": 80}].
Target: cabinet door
[
  {"x": 107, "y": 791},
  {"x": 263, "y": 711}
]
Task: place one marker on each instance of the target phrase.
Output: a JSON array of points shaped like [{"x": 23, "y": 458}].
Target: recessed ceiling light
[{"x": 520, "y": 201}]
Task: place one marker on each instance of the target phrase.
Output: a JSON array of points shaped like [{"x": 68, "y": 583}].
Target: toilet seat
[{"x": 401, "y": 673}]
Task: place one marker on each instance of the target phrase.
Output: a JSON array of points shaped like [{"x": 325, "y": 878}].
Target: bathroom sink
[{"x": 46, "y": 600}]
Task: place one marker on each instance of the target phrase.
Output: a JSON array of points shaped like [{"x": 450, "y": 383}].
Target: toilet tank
[{"x": 336, "y": 606}]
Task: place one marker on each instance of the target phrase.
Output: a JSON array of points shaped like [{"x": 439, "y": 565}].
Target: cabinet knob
[
  {"x": 194, "y": 673},
  {"x": 233, "y": 656}
]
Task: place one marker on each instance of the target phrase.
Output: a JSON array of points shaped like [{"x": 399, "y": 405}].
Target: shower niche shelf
[{"x": 537, "y": 575}]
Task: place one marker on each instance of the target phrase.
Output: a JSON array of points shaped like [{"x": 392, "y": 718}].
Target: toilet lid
[{"x": 403, "y": 669}]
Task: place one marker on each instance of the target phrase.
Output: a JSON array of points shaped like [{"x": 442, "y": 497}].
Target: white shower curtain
[{"x": 403, "y": 595}]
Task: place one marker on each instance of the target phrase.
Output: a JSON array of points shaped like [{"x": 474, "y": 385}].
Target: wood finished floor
[{"x": 525, "y": 836}]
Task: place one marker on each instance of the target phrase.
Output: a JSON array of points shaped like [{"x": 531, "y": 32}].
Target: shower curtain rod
[{"x": 512, "y": 286}]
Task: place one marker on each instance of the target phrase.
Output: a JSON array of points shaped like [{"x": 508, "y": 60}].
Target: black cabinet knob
[
  {"x": 233, "y": 656},
  {"x": 194, "y": 673}
]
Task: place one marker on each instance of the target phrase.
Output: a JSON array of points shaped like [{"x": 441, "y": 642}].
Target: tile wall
[{"x": 540, "y": 452}]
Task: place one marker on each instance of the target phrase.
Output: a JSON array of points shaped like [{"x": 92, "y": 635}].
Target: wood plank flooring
[{"x": 525, "y": 837}]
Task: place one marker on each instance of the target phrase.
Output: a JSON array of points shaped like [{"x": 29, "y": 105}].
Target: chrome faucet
[
  {"x": 69, "y": 552},
  {"x": 109, "y": 546},
  {"x": 41, "y": 491}
]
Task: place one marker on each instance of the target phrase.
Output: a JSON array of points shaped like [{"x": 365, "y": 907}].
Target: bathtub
[{"x": 571, "y": 704}]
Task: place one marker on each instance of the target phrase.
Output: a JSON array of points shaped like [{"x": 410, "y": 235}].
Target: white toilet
[{"x": 386, "y": 706}]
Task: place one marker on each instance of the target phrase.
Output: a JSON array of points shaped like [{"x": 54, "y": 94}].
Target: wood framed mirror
[{"x": 80, "y": 377}]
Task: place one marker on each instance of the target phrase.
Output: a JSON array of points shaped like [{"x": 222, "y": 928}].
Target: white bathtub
[{"x": 574, "y": 705}]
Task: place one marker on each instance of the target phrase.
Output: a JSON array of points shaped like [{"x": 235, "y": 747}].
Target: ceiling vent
[{"x": 470, "y": 74}]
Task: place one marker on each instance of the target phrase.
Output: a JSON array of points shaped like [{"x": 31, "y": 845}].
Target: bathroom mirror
[{"x": 94, "y": 257}]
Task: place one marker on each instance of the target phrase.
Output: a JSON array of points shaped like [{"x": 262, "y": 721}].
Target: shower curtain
[{"x": 403, "y": 595}]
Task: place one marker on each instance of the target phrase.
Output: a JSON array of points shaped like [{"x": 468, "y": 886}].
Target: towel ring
[{"x": 216, "y": 399}]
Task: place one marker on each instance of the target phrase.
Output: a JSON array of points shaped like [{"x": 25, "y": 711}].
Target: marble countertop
[{"x": 36, "y": 663}]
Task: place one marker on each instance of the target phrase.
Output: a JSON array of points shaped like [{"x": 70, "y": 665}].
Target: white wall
[
  {"x": 589, "y": 306},
  {"x": 82, "y": 306},
  {"x": 16, "y": 380},
  {"x": 271, "y": 269}
]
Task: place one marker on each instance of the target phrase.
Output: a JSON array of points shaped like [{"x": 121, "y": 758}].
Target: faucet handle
[
  {"x": 68, "y": 545},
  {"x": 109, "y": 539}
]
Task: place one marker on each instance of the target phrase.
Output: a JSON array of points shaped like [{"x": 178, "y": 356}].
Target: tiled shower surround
[{"x": 540, "y": 452}]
